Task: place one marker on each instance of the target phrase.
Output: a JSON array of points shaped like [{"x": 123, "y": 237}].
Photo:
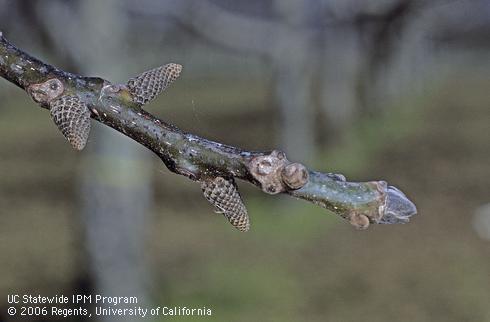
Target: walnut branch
[{"x": 199, "y": 159}]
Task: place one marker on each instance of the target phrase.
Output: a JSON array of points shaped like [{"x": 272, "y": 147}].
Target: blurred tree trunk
[
  {"x": 340, "y": 78},
  {"x": 115, "y": 182},
  {"x": 293, "y": 59}
]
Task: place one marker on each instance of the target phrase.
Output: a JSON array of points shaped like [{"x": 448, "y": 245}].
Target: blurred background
[{"x": 389, "y": 89}]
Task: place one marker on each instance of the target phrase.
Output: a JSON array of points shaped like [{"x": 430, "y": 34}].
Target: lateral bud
[
  {"x": 295, "y": 175},
  {"x": 276, "y": 174},
  {"x": 359, "y": 221}
]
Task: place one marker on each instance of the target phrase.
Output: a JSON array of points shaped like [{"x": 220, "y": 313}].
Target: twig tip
[{"x": 397, "y": 208}]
